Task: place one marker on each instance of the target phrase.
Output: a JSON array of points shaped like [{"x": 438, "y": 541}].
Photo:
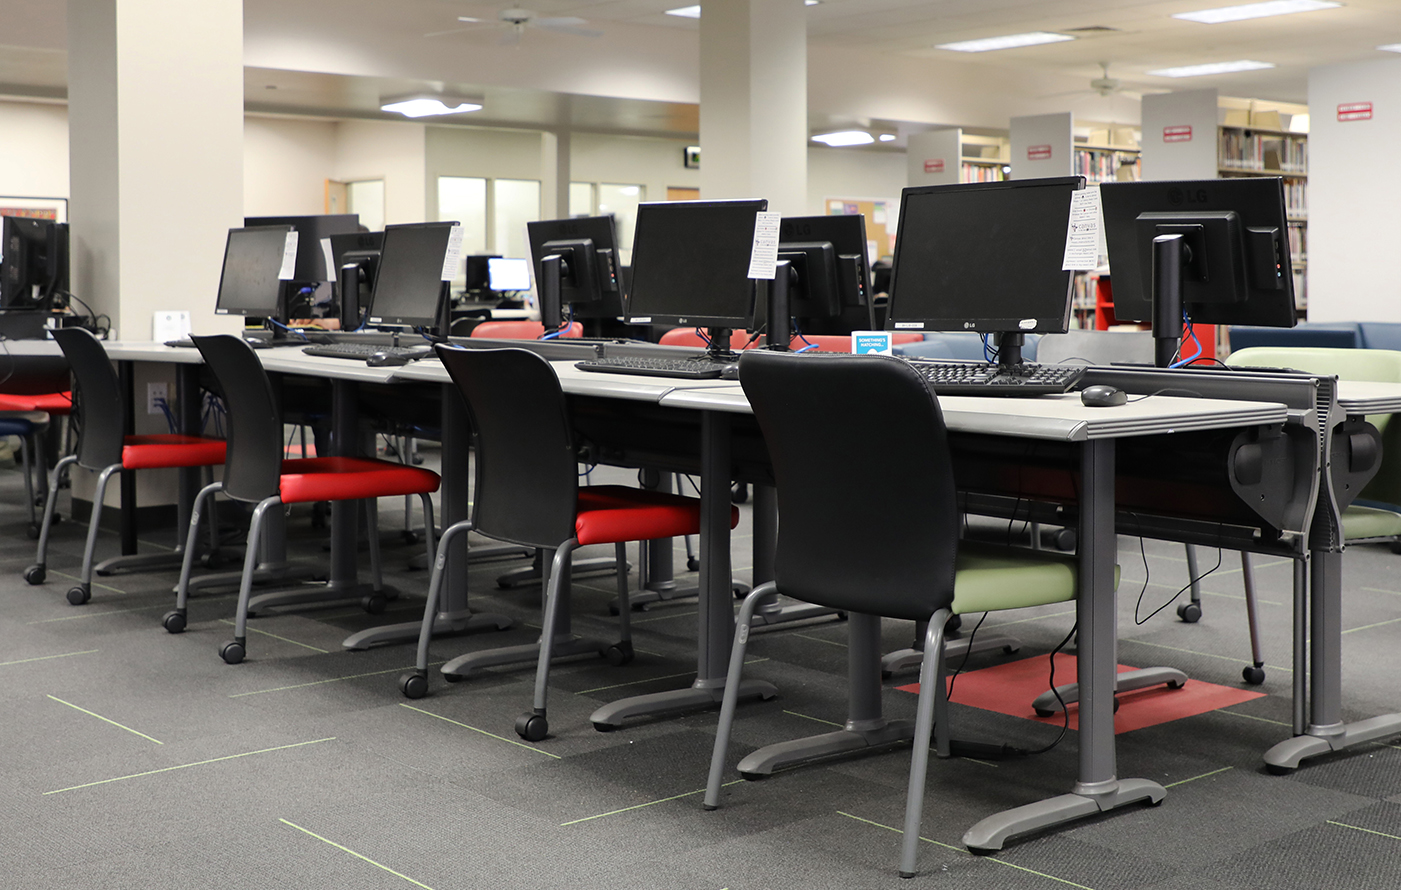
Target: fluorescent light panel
[
  {"x": 1254, "y": 11},
  {"x": 1008, "y": 41},
  {"x": 428, "y": 106},
  {"x": 843, "y": 138},
  {"x": 1390, "y": 47},
  {"x": 1212, "y": 68},
  {"x": 693, "y": 12}
]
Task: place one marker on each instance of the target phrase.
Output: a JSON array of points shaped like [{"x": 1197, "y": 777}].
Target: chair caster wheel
[
  {"x": 174, "y": 621},
  {"x": 1253, "y": 674},
  {"x": 375, "y": 603},
  {"x": 1189, "y": 612},
  {"x": 409, "y": 537},
  {"x": 1275, "y": 769},
  {"x": 1064, "y": 540},
  {"x": 79, "y": 595},
  {"x": 454, "y": 678},
  {"x": 1042, "y": 712},
  {"x": 33, "y": 531},
  {"x": 604, "y": 727},
  {"x": 213, "y": 560},
  {"x": 953, "y": 624},
  {"x": 532, "y": 727},
  {"x": 692, "y": 564},
  {"x": 753, "y": 777},
  {"x": 232, "y": 652},
  {"x": 619, "y": 654},
  {"x": 35, "y": 574},
  {"x": 413, "y": 685},
  {"x": 739, "y": 493}
]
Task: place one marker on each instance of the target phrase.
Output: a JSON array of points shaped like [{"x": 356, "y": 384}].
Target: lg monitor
[
  {"x": 250, "y": 284},
  {"x": 588, "y": 268},
  {"x": 478, "y": 272},
  {"x": 836, "y": 297},
  {"x": 311, "y": 231},
  {"x": 33, "y": 262},
  {"x": 410, "y": 288},
  {"x": 355, "y": 257},
  {"x": 690, "y": 265},
  {"x": 1216, "y": 251},
  {"x": 984, "y": 257}
]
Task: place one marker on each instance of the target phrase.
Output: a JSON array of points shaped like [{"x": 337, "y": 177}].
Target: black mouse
[
  {"x": 1102, "y": 396},
  {"x": 387, "y": 360},
  {"x": 730, "y": 372}
]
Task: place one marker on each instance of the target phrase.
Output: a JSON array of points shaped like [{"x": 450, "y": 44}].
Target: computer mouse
[
  {"x": 387, "y": 360},
  {"x": 730, "y": 372},
  {"x": 1102, "y": 396}
]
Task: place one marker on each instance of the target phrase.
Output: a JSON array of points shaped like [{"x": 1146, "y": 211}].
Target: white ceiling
[{"x": 338, "y": 57}]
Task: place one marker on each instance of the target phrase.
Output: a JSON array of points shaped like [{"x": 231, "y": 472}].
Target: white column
[
  {"x": 155, "y": 118},
  {"x": 554, "y": 175},
  {"x": 753, "y": 102}
]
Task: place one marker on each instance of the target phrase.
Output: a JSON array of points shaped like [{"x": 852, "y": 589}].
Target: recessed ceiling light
[
  {"x": 1390, "y": 47},
  {"x": 1009, "y": 41},
  {"x": 693, "y": 12},
  {"x": 843, "y": 138},
  {"x": 428, "y": 106},
  {"x": 887, "y": 137},
  {"x": 1254, "y": 11},
  {"x": 1212, "y": 68}
]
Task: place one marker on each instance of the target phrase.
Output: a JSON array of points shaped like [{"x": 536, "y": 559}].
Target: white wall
[
  {"x": 654, "y": 164},
  {"x": 1354, "y": 229},
  {"x": 392, "y": 151},
  {"x": 839, "y": 173},
  {"x": 33, "y": 150},
  {"x": 286, "y": 163}
]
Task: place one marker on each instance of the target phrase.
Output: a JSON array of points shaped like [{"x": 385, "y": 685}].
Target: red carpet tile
[{"x": 1010, "y": 689}]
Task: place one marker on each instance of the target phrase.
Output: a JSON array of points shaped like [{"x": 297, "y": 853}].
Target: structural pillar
[
  {"x": 753, "y": 102},
  {"x": 155, "y": 127},
  {"x": 554, "y": 175}
]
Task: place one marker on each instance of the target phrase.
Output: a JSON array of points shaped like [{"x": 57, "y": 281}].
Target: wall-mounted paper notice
[
  {"x": 330, "y": 259},
  {"x": 763, "y": 259},
  {"x": 169, "y": 324},
  {"x": 289, "y": 258},
  {"x": 1082, "y": 232},
  {"x": 452, "y": 258}
]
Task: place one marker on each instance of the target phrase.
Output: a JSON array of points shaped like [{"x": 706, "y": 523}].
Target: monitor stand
[
  {"x": 780, "y": 322},
  {"x": 1169, "y": 253},
  {"x": 1009, "y": 348}
]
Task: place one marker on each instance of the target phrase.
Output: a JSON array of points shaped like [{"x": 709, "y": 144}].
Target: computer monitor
[
  {"x": 690, "y": 266},
  {"x": 508, "y": 275},
  {"x": 33, "y": 262},
  {"x": 477, "y": 272},
  {"x": 355, "y": 257},
  {"x": 984, "y": 257},
  {"x": 837, "y": 298},
  {"x": 588, "y": 278},
  {"x": 1229, "y": 263},
  {"x": 311, "y": 231},
  {"x": 250, "y": 284},
  {"x": 410, "y": 288}
]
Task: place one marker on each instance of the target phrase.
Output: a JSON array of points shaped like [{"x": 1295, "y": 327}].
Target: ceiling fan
[
  {"x": 514, "y": 22},
  {"x": 1104, "y": 86}
]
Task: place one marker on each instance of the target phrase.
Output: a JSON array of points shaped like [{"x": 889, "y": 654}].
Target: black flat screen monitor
[
  {"x": 1236, "y": 234},
  {"x": 836, "y": 298},
  {"x": 690, "y": 263},
  {"x": 249, "y": 284},
  {"x": 33, "y": 262},
  {"x": 590, "y": 286},
  {"x": 477, "y": 272},
  {"x": 409, "y": 287},
  {"x": 311, "y": 258},
  {"x": 984, "y": 257}
]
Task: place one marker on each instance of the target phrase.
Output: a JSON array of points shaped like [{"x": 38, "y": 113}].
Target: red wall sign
[
  {"x": 934, "y": 165},
  {"x": 1177, "y": 134},
  {"x": 1355, "y": 111},
  {"x": 1038, "y": 152}
]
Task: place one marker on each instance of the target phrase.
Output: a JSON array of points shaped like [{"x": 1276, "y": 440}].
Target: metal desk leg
[
  {"x": 454, "y": 616},
  {"x": 866, "y": 727},
  {"x": 1327, "y": 731},
  {"x": 1098, "y": 789},
  {"x": 715, "y": 626},
  {"x": 771, "y": 612}
]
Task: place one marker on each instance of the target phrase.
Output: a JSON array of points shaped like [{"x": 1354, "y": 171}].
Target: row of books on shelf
[
  {"x": 983, "y": 173},
  {"x": 1296, "y": 197},
  {"x": 1099, "y": 166},
  {"x": 1298, "y": 243},
  {"x": 1243, "y": 150}
]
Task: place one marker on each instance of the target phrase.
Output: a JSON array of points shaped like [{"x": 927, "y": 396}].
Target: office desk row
[{"x": 715, "y": 415}]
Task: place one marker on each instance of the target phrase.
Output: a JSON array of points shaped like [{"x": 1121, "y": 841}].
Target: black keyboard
[
  {"x": 981, "y": 379},
  {"x": 688, "y": 368},
  {"x": 362, "y": 351}
]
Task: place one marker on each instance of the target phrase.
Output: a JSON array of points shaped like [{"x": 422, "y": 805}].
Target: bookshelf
[
  {"x": 1107, "y": 154},
  {"x": 984, "y": 158}
]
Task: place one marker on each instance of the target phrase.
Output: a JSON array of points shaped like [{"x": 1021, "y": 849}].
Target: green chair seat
[
  {"x": 990, "y": 578},
  {"x": 1362, "y": 523}
]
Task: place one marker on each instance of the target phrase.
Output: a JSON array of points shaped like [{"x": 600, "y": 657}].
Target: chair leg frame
[
  {"x": 730, "y": 701},
  {"x": 559, "y": 567},
  {"x": 90, "y": 547},
  {"x": 435, "y": 586},
  {"x": 250, "y": 562},
  {"x": 182, "y": 590},
  {"x": 930, "y": 714},
  {"x": 55, "y": 477}
]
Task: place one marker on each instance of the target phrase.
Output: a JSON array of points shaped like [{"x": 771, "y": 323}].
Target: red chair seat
[
  {"x": 521, "y": 330},
  {"x": 48, "y": 402},
  {"x": 170, "y": 450},
  {"x": 350, "y": 478},
  {"x": 611, "y": 513}
]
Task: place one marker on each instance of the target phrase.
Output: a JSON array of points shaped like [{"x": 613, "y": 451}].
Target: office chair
[
  {"x": 257, "y": 472},
  {"x": 521, "y": 330},
  {"x": 100, "y": 406},
  {"x": 527, "y": 492},
  {"x": 829, "y": 423}
]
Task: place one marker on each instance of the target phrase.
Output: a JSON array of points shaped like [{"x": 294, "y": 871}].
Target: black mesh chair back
[
  {"x": 100, "y": 403},
  {"x": 527, "y": 479},
  {"x": 254, "y": 462},
  {"x": 869, "y": 521}
]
